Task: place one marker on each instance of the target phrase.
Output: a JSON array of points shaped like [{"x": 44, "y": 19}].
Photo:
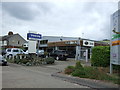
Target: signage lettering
[
  {"x": 116, "y": 36},
  {"x": 34, "y": 36},
  {"x": 114, "y": 43}
]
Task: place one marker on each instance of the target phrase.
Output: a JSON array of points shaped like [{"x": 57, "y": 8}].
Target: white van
[{"x": 13, "y": 51}]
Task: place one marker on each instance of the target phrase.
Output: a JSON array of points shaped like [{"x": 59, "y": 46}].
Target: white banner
[{"x": 31, "y": 46}]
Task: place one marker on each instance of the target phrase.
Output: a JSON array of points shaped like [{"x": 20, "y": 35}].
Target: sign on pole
[
  {"x": 115, "y": 40},
  {"x": 31, "y": 46},
  {"x": 88, "y": 43},
  {"x": 33, "y": 37}
]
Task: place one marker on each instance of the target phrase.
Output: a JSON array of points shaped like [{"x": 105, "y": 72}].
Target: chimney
[{"x": 10, "y": 33}]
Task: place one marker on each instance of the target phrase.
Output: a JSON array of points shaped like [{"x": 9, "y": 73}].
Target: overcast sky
[{"x": 68, "y": 19}]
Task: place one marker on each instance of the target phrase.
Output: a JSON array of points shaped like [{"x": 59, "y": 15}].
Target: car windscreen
[
  {"x": 61, "y": 52},
  {"x": 9, "y": 50}
]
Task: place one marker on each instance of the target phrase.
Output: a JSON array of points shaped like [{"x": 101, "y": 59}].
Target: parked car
[
  {"x": 59, "y": 54},
  {"x": 40, "y": 53},
  {"x": 3, "y": 61},
  {"x": 3, "y": 52},
  {"x": 14, "y": 51},
  {"x": 71, "y": 54},
  {"x": 26, "y": 52}
]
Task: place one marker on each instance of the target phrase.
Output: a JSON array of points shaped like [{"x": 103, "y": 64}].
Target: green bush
[
  {"x": 100, "y": 56},
  {"x": 16, "y": 61},
  {"x": 94, "y": 73},
  {"x": 97, "y": 73},
  {"x": 24, "y": 61},
  {"x": 69, "y": 69},
  {"x": 116, "y": 67},
  {"x": 80, "y": 73},
  {"x": 78, "y": 65},
  {"x": 10, "y": 60},
  {"x": 49, "y": 60},
  {"x": 86, "y": 72}
]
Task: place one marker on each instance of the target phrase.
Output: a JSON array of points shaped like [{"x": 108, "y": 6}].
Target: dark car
[
  {"x": 3, "y": 52},
  {"x": 59, "y": 54},
  {"x": 71, "y": 54},
  {"x": 3, "y": 61}
]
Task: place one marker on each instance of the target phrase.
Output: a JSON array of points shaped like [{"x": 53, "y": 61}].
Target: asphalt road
[{"x": 17, "y": 76}]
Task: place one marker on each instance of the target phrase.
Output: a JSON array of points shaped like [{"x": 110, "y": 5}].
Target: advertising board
[
  {"x": 88, "y": 43},
  {"x": 115, "y": 38},
  {"x": 33, "y": 36},
  {"x": 31, "y": 46}
]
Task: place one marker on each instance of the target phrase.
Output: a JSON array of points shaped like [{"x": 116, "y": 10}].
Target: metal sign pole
[
  {"x": 38, "y": 48},
  {"x": 111, "y": 69},
  {"x": 86, "y": 55}
]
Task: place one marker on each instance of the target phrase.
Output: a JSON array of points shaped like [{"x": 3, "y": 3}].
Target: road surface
[{"x": 17, "y": 76}]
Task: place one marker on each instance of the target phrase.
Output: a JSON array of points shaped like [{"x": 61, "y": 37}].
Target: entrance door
[{"x": 83, "y": 54}]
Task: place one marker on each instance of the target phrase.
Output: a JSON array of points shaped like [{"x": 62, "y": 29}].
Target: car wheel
[
  {"x": 10, "y": 55},
  {"x": 4, "y": 64}
]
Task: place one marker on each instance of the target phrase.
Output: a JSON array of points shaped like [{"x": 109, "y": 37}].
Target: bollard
[{"x": 13, "y": 57}]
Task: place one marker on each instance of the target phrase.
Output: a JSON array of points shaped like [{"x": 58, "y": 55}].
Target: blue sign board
[{"x": 33, "y": 36}]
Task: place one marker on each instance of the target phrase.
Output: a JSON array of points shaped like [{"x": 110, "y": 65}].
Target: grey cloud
[
  {"x": 25, "y": 11},
  {"x": 45, "y": 7},
  {"x": 18, "y": 10}
]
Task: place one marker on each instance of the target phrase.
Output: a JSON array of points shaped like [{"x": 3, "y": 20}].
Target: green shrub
[
  {"x": 49, "y": 60},
  {"x": 95, "y": 73},
  {"x": 100, "y": 56},
  {"x": 16, "y": 61},
  {"x": 92, "y": 73},
  {"x": 69, "y": 69},
  {"x": 80, "y": 73},
  {"x": 86, "y": 72},
  {"x": 78, "y": 65},
  {"x": 79, "y": 70},
  {"x": 10, "y": 60},
  {"x": 116, "y": 67},
  {"x": 24, "y": 61}
]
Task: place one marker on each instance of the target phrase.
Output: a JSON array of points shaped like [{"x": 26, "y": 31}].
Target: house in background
[{"x": 12, "y": 40}]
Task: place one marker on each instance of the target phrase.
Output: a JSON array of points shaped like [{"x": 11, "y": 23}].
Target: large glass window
[{"x": 18, "y": 42}]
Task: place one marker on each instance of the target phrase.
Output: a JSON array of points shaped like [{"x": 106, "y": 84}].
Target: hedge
[{"x": 100, "y": 56}]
